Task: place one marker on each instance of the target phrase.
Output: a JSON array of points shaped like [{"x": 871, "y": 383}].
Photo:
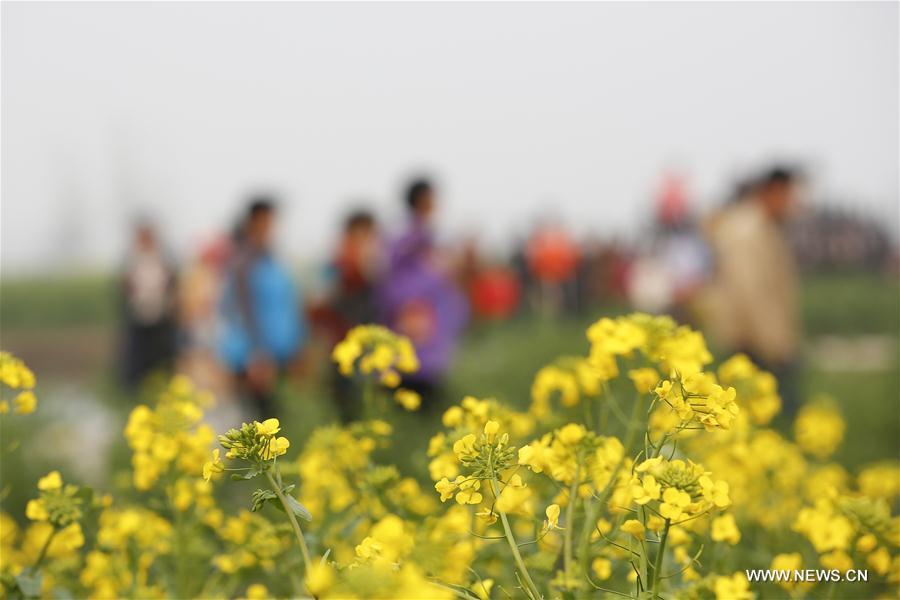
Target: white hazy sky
[{"x": 574, "y": 110}]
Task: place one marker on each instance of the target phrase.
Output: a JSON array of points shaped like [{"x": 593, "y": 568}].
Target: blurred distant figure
[
  {"x": 495, "y": 292},
  {"x": 602, "y": 273},
  {"x": 671, "y": 270},
  {"x": 200, "y": 291},
  {"x": 418, "y": 298},
  {"x": 493, "y": 289},
  {"x": 355, "y": 268},
  {"x": 262, "y": 325},
  {"x": 357, "y": 265},
  {"x": 148, "y": 294},
  {"x": 754, "y": 298},
  {"x": 552, "y": 257}
]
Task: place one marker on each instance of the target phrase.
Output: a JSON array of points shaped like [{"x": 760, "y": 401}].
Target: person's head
[
  {"x": 145, "y": 236},
  {"x": 359, "y": 223},
  {"x": 777, "y": 189},
  {"x": 260, "y": 218},
  {"x": 420, "y": 199}
]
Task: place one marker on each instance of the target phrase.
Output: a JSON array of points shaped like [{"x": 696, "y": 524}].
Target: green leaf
[
  {"x": 297, "y": 508},
  {"x": 29, "y": 583},
  {"x": 260, "y": 497},
  {"x": 253, "y": 472}
]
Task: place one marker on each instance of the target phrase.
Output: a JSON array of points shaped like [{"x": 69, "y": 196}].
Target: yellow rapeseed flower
[
  {"x": 258, "y": 591},
  {"x": 724, "y": 529},
  {"x": 735, "y": 587},
  {"x": 602, "y": 568},
  {"x": 268, "y": 427},
  {"x": 50, "y": 481},
  {"x": 408, "y": 399},
  {"x": 633, "y": 527},
  {"x": 25, "y": 403},
  {"x": 644, "y": 379},
  {"x": 552, "y": 513}
]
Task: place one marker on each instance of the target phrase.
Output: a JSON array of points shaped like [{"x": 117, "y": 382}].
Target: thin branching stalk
[
  {"x": 570, "y": 514},
  {"x": 530, "y": 587},
  {"x": 660, "y": 557},
  {"x": 44, "y": 549},
  {"x": 591, "y": 506},
  {"x": 307, "y": 561}
]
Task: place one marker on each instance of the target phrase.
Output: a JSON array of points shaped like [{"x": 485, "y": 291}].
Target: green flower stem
[
  {"x": 570, "y": 513},
  {"x": 511, "y": 540},
  {"x": 45, "y": 547},
  {"x": 591, "y": 506},
  {"x": 644, "y": 562},
  {"x": 368, "y": 399},
  {"x": 180, "y": 567},
  {"x": 307, "y": 561},
  {"x": 584, "y": 540},
  {"x": 660, "y": 557},
  {"x": 631, "y": 434},
  {"x": 212, "y": 581}
]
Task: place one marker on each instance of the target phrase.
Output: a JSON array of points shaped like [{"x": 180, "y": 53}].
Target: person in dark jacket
[{"x": 147, "y": 291}]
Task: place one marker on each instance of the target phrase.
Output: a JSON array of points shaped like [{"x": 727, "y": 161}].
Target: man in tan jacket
[{"x": 753, "y": 302}]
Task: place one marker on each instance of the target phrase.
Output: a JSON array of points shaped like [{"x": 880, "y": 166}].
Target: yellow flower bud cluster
[
  {"x": 59, "y": 504},
  {"x": 254, "y": 442}
]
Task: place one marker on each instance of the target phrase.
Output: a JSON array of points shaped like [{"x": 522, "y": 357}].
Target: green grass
[
  {"x": 851, "y": 304},
  {"x": 843, "y": 304},
  {"x": 871, "y": 409},
  {"x": 43, "y": 303}
]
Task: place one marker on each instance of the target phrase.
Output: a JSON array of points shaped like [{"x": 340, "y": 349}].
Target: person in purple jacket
[{"x": 418, "y": 298}]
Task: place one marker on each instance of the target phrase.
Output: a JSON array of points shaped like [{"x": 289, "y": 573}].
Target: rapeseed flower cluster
[
  {"x": 569, "y": 378},
  {"x": 819, "y": 427},
  {"x": 169, "y": 438},
  {"x": 379, "y": 358},
  {"x": 376, "y": 350},
  {"x": 638, "y": 470},
  {"x": 756, "y": 389},
  {"x": 18, "y": 382}
]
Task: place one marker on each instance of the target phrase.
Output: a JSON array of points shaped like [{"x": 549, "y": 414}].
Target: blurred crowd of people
[
  {"x": 235, "y": 313},
  {"x": 237, "y": 309}
]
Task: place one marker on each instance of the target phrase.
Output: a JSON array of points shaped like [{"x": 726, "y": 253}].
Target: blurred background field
[{"x": 66, "y": 329}]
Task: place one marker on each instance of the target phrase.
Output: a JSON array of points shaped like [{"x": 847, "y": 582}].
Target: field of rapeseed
[{"x": 637, "y": 471}]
